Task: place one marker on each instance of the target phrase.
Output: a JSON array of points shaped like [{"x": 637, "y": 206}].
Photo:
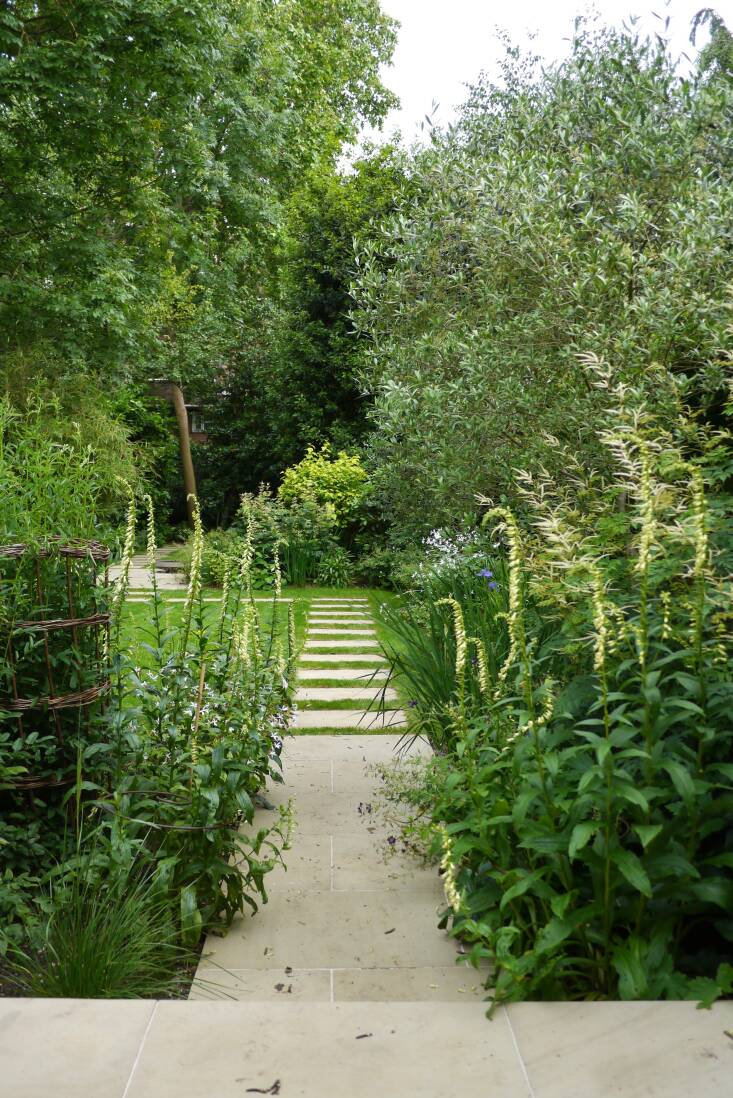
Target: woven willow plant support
[{"x": 80, "y": 574}]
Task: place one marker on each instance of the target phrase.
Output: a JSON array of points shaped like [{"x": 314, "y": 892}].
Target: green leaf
[
  {"x": 191, "y": 920},
  {"x": 581, "y": 834},
  {"x": 628, "y": 960},
  {"x": 681, "y": 778},
  {"x": 632, "y": 870},
  {"x": 647, "y": 833},
  {"x": 714, "y": 890},
  {"x": 519, "y": 888}
]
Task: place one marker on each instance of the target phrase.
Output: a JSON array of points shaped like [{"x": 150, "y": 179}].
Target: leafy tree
[
  {"x": 716, "y": 57},
  {"x": 293, "y": 382},
  {"x": 581, "y": 209},
  {"x": 150, "y": 148}
]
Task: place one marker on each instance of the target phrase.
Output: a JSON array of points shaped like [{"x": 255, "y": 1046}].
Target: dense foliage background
[
  {"x": 151, "y": 152},
  {"x": 582, "y": 209}
]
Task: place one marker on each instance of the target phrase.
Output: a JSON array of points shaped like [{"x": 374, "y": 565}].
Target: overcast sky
[{"x": 444, "y": 44}]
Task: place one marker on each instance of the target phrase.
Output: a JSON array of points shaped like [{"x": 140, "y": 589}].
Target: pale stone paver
[
  {"x": 344, "y": 693},
  {"x": 312, "y": 644},
  {"x": 340, "y": 604},
  {"x": 339, "y": 615},
  {"x": 139, "y": 575},
  {"x": 342, "y": 674},
  {"x": 367, "y": 719},
  {"x": 360, "y": 1047},
  {"x": 343, "y": 658},
  {"x": 343, "y": 634}
]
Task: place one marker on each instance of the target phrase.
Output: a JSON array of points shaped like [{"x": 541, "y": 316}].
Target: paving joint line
[
  {"x": 522, "y": 1065},
  {"x": 139, "y": 1051}
]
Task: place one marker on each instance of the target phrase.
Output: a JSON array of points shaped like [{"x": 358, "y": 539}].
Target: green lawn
[
  {"x": 136, "y": 619},
  {"x": 137, "y": 616}
]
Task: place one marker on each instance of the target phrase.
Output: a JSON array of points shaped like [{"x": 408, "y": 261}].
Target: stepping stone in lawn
[
  {"x": 341, "y": 634},
  {"x": 364, "y": 719},
  {"x": 310, "y": 644},
  {"x": 341, "y": 604},
  {"x": 344, "y": 693},
  {"x": 342, "y": 657},
  {"x": 340, "y": 619},
  {"x": 347, "y": 674}
]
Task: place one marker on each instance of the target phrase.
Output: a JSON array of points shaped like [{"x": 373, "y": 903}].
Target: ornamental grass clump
[{"x": 588, "y": 794}]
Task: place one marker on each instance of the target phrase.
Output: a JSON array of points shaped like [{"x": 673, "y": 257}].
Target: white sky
[{"x": 444, "y": 44}]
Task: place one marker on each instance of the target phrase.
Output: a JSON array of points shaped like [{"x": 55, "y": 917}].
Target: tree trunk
[{"x": 170, "y": 391}]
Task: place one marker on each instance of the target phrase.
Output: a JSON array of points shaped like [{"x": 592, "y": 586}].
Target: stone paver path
[
  {"x": 342, "y": 984},
  {"x": 168, "y": 579},
  {"x": 346, "y": 921},
  {"x": 341, "y": 633}
]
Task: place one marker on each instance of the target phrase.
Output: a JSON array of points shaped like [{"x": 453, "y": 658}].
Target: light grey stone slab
[
  {"x": 356, "y": 612},
  {"x": 365, "y": 860},
  {"x": 319, "y": 814},
  {"x": 307, "y": 865},
  {"x": 345, "y": 693},
  {"x": 346, "y": 601},
  {"x": 263, "y": 985},
  {"x": 356, "y": 643},
  {"x": 363, "y": 719},
  {"x": 345, "y": 674},
  {"x": 438, "y": 984},
  {"x": 335, "y": 930},
  {"x": 627, "y": 1049},
  {"x": 64, "y": 1048},
  {"x": 343, "y": 657},
  {"x": 345, "y": 626},
  {"x": 342, "y": 747},
  {"x": 303, "y": 776},
  {"x": 404, "y": 1050},
  {"x": 342, "y": 634}
]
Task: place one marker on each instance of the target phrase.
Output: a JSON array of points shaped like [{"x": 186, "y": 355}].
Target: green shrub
[
  {"x": 376, "y": 568},
  {"x": 337, "y": 483},
  {"x": 584, "y": 805},
  {"x": 300, "y": 533},
  {"x": 477, "y": 299},
  {"x": 422, "y": 642},
  {"x": 335, "y": 568}
]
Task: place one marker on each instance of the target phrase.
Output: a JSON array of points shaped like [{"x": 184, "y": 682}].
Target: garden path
[
  {"x": 167, "y": 578},
  {"x": 342, "y": 983},
  {"x": 343, "y": 873}
]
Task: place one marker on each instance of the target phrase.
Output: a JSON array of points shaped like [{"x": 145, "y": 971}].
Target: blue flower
[
  {"x": 493, "y": 585},
  {"x": 486, "y": 573},
  {"x": 412, "y": 704}
]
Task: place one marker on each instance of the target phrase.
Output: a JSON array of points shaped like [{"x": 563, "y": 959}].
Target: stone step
[
  {"x": 187, "y": 1049},
  {"x": 356, "y": 674},
  {"x": 345, "y": 693},
  {"x": 364, "y": 720},
  {"x": 434, "y": 983},
  {"x": 311, "y": 644},
  {"x": 342, "y": 657},
  {"x": 347, "y": 631},
  {"x": 340, "y": 619},
  {"x": 343, "y": 604}
]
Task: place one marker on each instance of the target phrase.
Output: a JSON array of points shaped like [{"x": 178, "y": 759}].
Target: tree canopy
[{"x": 584, "y": 209}]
